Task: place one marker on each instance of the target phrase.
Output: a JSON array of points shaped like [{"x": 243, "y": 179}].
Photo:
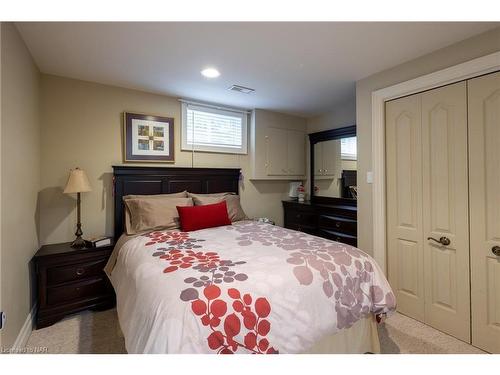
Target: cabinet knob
[
  {"x": 80, "y": 271},
  {"x": 337, "y": 224},
  {"x": 496, "y": 250}
]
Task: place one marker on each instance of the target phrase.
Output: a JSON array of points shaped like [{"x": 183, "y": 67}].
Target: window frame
[
  {"x": 348, "y": 156},
  {"x": 243, "y": 150}
]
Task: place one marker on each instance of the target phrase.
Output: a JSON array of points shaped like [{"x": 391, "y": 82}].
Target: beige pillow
[
  {"x": 234, "y": 209},
  {"x": 195, "y": 195},
  {"x": 148, "y": 214},
  {"x": 182, "y": 194}
]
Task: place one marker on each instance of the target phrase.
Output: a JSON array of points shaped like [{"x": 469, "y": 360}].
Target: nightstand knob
[{"x": 80, "y": 271}]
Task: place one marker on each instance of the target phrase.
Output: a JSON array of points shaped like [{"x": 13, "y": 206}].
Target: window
[
  {"x": 205, "y": 128},
  {"x": 348, "y": 148}
]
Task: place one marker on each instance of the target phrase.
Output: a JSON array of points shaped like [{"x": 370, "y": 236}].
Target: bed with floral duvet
[{"x": 249, "y": 287}]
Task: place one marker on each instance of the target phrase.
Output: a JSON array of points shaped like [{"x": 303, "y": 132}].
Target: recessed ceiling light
[{"x": 210, "y": 73}]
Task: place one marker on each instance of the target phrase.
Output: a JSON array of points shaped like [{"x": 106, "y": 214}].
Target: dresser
[
  {"x": 337, "y": 222},
  {"x": 70, "y": 280}
]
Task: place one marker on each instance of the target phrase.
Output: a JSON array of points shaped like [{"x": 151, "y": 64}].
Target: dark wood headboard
[{"x": 162, "y": 180}]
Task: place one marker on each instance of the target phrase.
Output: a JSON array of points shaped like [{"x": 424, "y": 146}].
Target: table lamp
[{"x": 77, "y": 183}]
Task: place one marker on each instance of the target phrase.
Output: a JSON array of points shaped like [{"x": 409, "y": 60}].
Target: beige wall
[
  {"x": 20, "y": 182},
  {"x": 82, "y": 125},
  {"x": 469, "y": 49},
  {"x": 342, "y": 114}
]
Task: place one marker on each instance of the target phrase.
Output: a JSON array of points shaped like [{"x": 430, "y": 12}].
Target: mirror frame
[{"x": 328, "y": 135}]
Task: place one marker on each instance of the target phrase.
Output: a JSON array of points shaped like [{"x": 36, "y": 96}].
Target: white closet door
[
  {"x": 277, "y": 145},
  {"x": 445, "y": 209},
  {"x": 484, "y": 172},
  {"x": 404, "y": 204}
]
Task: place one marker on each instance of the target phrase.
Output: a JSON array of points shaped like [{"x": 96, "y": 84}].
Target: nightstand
[{"x": 71, "y": 280}]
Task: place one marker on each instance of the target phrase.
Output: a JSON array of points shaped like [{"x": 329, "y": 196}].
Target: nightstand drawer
[
  {"x": 70, "y": 292},
  {"x": 338, "y": 224},
  {"x": 74, "y": 272}
]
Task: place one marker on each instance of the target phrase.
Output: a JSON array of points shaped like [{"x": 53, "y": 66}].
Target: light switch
[{"x": 369, "y": 177}]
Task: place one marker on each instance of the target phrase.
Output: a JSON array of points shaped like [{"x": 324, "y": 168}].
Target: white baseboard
[{"x": 25, "y": 332}]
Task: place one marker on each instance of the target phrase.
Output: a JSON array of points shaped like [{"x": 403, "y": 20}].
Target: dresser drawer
[
  {"x": 339, "y": 237},
  {"x": 309, "y": 229},
  {"x": 74, "y": 272},
  {"x": 338, "y": 224},
  {"x": 80, "y": 290},
  {"x": 301, "y": 217}
]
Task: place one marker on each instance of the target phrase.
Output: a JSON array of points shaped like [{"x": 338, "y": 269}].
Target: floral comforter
[{"x": 246, "y": 288}]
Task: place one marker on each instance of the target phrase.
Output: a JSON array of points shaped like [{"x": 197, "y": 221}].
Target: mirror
[{"x": 334, "y": 159}]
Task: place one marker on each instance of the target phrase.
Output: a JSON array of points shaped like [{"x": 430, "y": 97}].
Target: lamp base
[{"x": 78, "y": 243}]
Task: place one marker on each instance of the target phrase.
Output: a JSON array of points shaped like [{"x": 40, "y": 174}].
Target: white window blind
[
  {"x": 213, "y": 129},
  {"x": 348, "y": 148}
]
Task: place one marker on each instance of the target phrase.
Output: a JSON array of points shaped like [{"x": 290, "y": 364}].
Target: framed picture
[{"x": 148, "y": 138}]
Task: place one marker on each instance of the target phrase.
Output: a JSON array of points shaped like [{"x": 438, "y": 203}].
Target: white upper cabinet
[
  {"x": 327, "y": 159},
  {"x": 277, "y": 146},
  {"x": 277, "y": 151},
  {"x": 296, "y": 153}
]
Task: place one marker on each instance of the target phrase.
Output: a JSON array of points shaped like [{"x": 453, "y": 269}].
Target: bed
[{"x": 249, "y": 287}]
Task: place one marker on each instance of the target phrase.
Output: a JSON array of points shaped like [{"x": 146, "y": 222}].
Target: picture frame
[{"x": 148, "y": 138}]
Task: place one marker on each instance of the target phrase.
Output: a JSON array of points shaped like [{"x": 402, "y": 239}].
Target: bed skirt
[{"x": 362, "y": 337}]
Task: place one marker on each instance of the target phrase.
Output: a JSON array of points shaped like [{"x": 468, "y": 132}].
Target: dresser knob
[
  {"x": 80, "y": 271},
  {"x": 337, "y": 225}
]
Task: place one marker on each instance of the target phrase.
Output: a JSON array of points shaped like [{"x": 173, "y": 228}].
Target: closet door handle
[
  {"x": 496, "y": 250},
  {"x": 445, "y": 241}
]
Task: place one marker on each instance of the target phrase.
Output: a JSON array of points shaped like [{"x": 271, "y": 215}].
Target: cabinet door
[
  {"x": 484, "y": 174},
  {"x": 296, "y": 153},
  {"x": 277, "y": 150},
  {"x": 446, "y": 209},
  {"x": 318, "y": 159},
  {"x": 404, "y": 204},
  {"x": 332, "y": 161}
]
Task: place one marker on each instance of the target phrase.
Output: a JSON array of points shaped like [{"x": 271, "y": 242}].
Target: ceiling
[{"x": 300, "y": 68}]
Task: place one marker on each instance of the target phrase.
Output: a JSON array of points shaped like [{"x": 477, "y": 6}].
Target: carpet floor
[{"x": 98, "y": 333}]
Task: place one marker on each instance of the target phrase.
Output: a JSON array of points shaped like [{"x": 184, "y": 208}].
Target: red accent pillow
[{"x": 200, "y": 217}]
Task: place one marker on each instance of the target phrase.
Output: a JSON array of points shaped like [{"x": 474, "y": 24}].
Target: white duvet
[{"x": 246, "y": 288}]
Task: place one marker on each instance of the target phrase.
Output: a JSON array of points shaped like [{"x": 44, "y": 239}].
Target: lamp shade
[{"x": 77, "y": 182}]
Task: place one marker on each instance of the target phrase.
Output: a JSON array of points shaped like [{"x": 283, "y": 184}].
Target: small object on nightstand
[
  {"x": 301, "y": 191},
  {"x": 77, "y": 183},
  {"x": 265, "y": 220},
  {"x": 71, "y": 280},
  {"x": 99, "y": 241}
]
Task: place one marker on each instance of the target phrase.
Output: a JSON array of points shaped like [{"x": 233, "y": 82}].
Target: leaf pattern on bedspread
[
  {"x": 346, "y": 272},
  {"x": 213, "y": 311}
]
